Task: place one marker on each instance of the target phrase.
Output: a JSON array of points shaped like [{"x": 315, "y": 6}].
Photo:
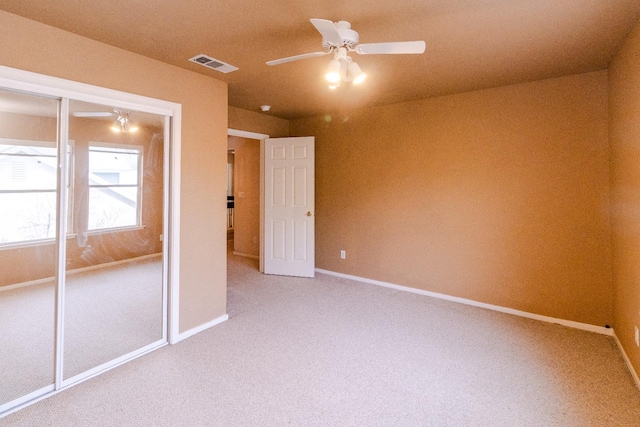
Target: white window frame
[{"x": 139, "y": 202}]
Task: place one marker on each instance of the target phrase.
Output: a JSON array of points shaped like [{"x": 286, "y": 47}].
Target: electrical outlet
[
  {"x": 637, "y": 337},
  {"x": 255, "y": 239},
  {"x": 343, "y": 254}
]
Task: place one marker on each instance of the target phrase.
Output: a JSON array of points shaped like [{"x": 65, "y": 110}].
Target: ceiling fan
[
  {"x": 93, "y": 113},
  {"x": 338, "y": 38},
  {"x": 122, "y": 123}
]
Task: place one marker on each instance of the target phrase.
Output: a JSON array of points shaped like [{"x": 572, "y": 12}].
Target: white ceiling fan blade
[
  {"x": 328, "y": 30},
  {"x": 92, "y": 114},
  {"x": 391, "y": 48},
  {"x": 296, "y": 58}
]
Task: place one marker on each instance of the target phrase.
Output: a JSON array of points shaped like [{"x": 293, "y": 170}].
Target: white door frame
[{"x": 260, "y": 137}]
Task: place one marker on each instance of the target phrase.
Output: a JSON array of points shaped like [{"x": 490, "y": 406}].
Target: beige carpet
[
  {"x": 110, "y": 312},
  {"x": 331, "y": 352}
]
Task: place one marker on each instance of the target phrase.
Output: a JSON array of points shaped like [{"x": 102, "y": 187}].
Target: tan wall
[
  {"x": 499, "y": 196},
  {"x": 246, "y": 180},
  {"x": 624, "y": 128},
  {"x": 251, "y": 121},
  {"x": 32, "y": 46}
]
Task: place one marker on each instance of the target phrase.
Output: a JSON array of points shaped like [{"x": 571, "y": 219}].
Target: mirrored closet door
[
  {"x": 28, "y": 243},
  {"x": 83, "y": 213},
  {"x": 113, "y": 283}
]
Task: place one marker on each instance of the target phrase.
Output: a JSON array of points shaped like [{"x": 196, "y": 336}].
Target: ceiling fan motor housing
[{"x": 350, "y": 38}]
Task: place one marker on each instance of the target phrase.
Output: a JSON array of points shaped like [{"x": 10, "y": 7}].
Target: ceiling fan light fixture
[
  {"x": 338, "y": 38},
  {"x": 333, "y": 71},
  {"x": 117, "y": 127},
  {"x": 356, "y": 75},
  {"x": 359, "y": 78},
  {"x": 122, "y": 124}
]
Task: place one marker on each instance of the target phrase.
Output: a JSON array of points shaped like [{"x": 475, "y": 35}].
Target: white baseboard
[
  {"x": 191, "y": 332},
  {"x": 246, "y": 255},
  {"x": 114, "y": 263},
  {"x": 80, "y": 270},
  {"x": 634, "y": 374},
  {"x": 564, "y": 322},
  {"x": 25, "y": 284}
]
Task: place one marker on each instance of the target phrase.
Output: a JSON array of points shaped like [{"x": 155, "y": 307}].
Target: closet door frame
[{"x": 66, "y": 90}]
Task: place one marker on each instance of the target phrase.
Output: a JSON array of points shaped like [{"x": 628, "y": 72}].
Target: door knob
[{"x": 309, "y": 213}]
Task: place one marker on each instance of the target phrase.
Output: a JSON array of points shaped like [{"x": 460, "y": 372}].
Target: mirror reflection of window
[
  {"x": 115, "y": 177},
  {"x": 28, "y": 190}
]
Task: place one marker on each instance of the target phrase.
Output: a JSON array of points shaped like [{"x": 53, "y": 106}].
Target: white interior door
[{"x": 289, "y": 233}]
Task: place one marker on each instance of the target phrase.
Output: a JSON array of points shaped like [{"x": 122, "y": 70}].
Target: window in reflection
[
  {"x": 28, "y": 180},
  {"x": 114, "y": 186}
]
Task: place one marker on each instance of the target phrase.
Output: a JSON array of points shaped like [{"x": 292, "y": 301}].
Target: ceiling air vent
[{"x": 212, "y": 63}]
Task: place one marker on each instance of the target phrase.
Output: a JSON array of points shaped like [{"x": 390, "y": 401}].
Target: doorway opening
[
  {"x": 230, "y": 197},
  {"x": 244, "y": 193}
]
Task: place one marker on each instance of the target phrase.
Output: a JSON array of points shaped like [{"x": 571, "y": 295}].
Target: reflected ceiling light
[{"x": 122, "y": 124}]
